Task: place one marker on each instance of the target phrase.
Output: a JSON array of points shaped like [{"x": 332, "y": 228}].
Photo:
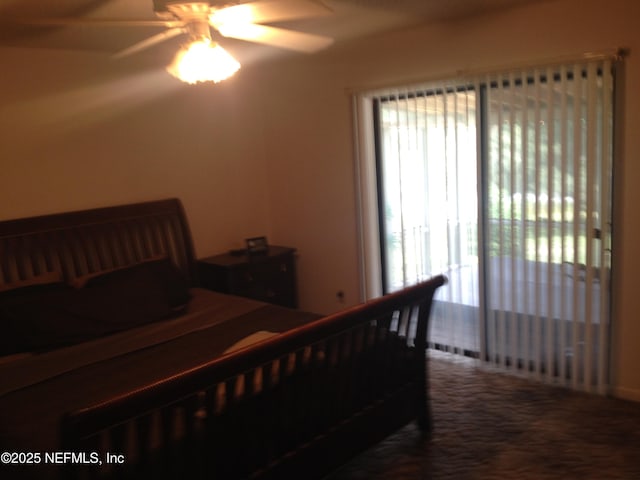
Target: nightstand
[{"x": 268, "y": 277}]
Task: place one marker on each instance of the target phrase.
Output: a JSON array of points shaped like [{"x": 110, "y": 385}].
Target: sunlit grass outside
[{"x": 534, "y": 242}]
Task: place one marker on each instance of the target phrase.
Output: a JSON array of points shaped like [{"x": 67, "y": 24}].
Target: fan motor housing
[{"x": 168, "y": 6}]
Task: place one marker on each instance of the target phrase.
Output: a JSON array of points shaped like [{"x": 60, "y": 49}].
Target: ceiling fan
[{"x": 196, "y": 19}]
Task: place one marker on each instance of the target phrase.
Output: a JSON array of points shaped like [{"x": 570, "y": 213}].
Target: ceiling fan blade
[
  {"x": 149, "y": 42},
  {"x": 266, "y": 11},
  {"x": 277, "y": 37},
  {"x": 96, "y": 22}
]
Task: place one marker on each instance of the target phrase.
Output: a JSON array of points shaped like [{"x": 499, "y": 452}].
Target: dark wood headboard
[{"x": 87, "y": 241}]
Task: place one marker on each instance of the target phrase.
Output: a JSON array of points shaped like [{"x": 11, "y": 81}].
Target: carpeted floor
[{"x": 493, "y": 426}]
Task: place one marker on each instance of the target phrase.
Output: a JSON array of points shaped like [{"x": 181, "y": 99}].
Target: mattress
[{"x": 38, "y": 389}]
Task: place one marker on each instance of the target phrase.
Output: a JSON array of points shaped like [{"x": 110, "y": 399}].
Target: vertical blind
[
  {"x": 427, "y": 166},
  {"x": 503, "y": 182},
  {"x": 548, "y": 163}
]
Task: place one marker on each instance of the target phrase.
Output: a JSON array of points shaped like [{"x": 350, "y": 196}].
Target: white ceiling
[{"x": 349, "y": 19}]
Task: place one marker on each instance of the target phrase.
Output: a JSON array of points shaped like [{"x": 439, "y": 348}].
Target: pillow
[
  {"x": 45, "y": 278},
  {"x": 38, "y": 318},
  {"x": 80, "y": 282},
  {"x": 27, "y": 319},
  {"x": 158, "y": 273}
]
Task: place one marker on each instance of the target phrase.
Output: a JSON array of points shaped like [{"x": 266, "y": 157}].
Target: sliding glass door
[{"x": 503, "y": 184}]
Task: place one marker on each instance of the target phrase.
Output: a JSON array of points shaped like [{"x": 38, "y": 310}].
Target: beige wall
[{"x": 271, "y": 152}]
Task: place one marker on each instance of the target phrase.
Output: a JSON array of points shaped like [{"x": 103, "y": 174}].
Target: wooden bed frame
[{"x": 297, "y": 405}]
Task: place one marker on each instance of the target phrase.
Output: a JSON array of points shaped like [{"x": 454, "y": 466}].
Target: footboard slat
[
  {"x": 312, "y": 396},
  {"x": 143, "y": 443}
]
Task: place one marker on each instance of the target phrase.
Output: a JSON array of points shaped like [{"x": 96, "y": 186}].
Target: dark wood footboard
[{"x": 295, "y": 406}]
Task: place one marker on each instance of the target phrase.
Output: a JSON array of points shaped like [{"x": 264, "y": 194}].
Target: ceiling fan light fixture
[{"x": 203, "y": 61}]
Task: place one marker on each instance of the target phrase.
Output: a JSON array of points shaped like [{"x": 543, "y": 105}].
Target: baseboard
[{"x": 627, "y": 393}]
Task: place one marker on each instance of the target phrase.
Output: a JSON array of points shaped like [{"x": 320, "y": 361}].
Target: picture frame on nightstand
[{"x": 257, "y": 245}]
